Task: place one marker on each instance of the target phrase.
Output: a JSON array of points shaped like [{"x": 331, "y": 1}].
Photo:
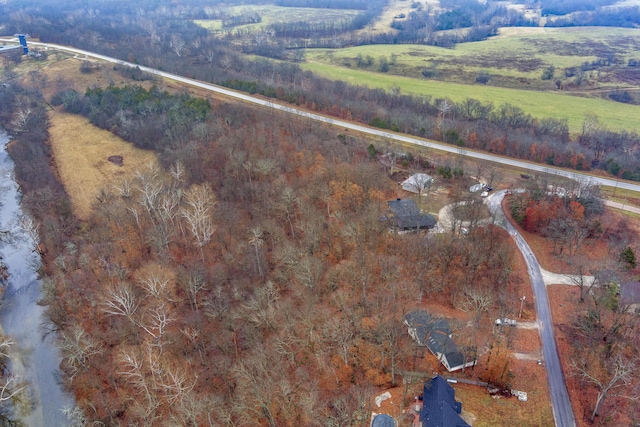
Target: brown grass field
[{"x": 81, "y": 151}]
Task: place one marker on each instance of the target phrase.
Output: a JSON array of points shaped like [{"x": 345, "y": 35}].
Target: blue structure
[
  {"x": 439, "y": 406},
  {"x": 383, "y": 420},
  {"x": 23, "y": 43}
]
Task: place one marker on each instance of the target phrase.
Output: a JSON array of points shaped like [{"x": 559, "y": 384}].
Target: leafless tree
[
  {"x": 478, "y": 300},
  {"x": 120, "y": 300},
  {"x": 580, "y": 270},
  {"x": 178, "y": 173},
  {"x": 608, "y": 375},
  {"x": 340, "y": 334},
  {"x": 28, "y": 226},
  {"x": 286, "y": 207},
  {"x": 155, "y": 282},
  {"x": 443, "y": 109},
  {"x": 194, "y": 285},
  {"x": 150, "y": 187},
  {"x": 77, "y": 347},
  {"x": 10, "y": 386},
  {"x": 256, "y": 240},
  {"x": 390, "y": 159},
  {"x": 198, "y": 212},
  {"x": 95, "y": 38},
  {"x": 131, "y": 367},
  {"x": 124, "y": 188},
  {"x": 260, "y": 309},
  {"x": 177, "y": 44},
  {"x": 21, "y": 120},
  {"x": 155, "y": 322}
]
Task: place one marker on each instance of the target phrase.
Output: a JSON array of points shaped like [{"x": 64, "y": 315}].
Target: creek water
[{"x": 36, "y": 359}]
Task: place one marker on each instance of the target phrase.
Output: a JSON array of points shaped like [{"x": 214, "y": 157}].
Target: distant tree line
[
  {"x": 326, "y": 4},
  {"x": 475, "y": 21},
  {"x": 152, "y": 119},
  {"x": 241, "y": 19},
  {"x": 628, "y": 17},
  {"x": 563, "y": 7}
]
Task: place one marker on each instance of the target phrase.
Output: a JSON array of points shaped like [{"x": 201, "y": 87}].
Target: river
[{"x": 37, "y": 359}]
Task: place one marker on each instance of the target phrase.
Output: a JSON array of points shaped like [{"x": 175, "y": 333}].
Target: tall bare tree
[{"x": 199, "y": 205}]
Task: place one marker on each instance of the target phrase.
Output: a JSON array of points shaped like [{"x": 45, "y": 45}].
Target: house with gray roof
[
  {"x": 406, "y": 216},
  {"x": 435, "y": 334}
]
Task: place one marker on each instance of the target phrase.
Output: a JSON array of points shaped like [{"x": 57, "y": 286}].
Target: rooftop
[
  {"x": 440, "y": 408},
  {"x": 406, "y": 215}
]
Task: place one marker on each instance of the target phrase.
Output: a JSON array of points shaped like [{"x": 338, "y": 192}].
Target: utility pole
[{"x": 521, "y": 305}]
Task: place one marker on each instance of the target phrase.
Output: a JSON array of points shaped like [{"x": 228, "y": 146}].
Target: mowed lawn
[{"x": 615, "y": 115}]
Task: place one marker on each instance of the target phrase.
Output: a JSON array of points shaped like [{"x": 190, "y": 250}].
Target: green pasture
[
  {"x": 212, "y": 25},
  {"x": 538, "y": 104},
  {"x": 278, "y": 14},
  {"x": 514, "y": 60}
]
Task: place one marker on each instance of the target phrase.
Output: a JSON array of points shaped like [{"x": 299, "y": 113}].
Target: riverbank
[{"x": 37, "y": 359}]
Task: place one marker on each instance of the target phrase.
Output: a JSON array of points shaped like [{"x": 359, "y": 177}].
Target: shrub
[
  {"x": 483, "y": 78},
  {"x": 628, "y": 257}
]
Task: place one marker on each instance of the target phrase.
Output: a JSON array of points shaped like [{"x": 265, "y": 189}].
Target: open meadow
[
  {"x": 514, "y": 63},
  {"x": 615, "y": 115},
  {"x": 271, "y": 14}
]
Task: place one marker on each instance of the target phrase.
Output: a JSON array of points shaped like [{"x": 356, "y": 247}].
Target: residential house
[
  {"x": 406, "y": 216},
  {"x": 439, "y": 406},
  {"x": 435, "y": 334}
]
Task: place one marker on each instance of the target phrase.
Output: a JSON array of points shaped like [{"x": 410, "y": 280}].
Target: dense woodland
[
  {"x": 255, "y": 245},
  {"x": 255, "y": 249}
]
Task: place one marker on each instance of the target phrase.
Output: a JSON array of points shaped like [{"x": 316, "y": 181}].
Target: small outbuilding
[{"x": 417, "y": 183}]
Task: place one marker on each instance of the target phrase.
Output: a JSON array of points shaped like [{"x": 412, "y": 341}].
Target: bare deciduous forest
[{"x": 250, "y": 278}]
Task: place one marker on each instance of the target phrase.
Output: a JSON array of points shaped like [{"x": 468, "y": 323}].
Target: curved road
[
  {"x": 562, "y": 411},
  {"x": 581, "y": 177}
]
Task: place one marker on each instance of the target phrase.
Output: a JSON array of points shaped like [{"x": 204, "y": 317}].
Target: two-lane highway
[{"x": 352, "y": 126}]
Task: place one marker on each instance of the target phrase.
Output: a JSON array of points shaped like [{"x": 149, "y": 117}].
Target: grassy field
[
  {"x": 514, "y": 60},
  {"x": 277, "y": 14},
  {"x": 81, "y": 150},
  {"x": 520, "y": 53},
  {"x": 539, "y": 104}
]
